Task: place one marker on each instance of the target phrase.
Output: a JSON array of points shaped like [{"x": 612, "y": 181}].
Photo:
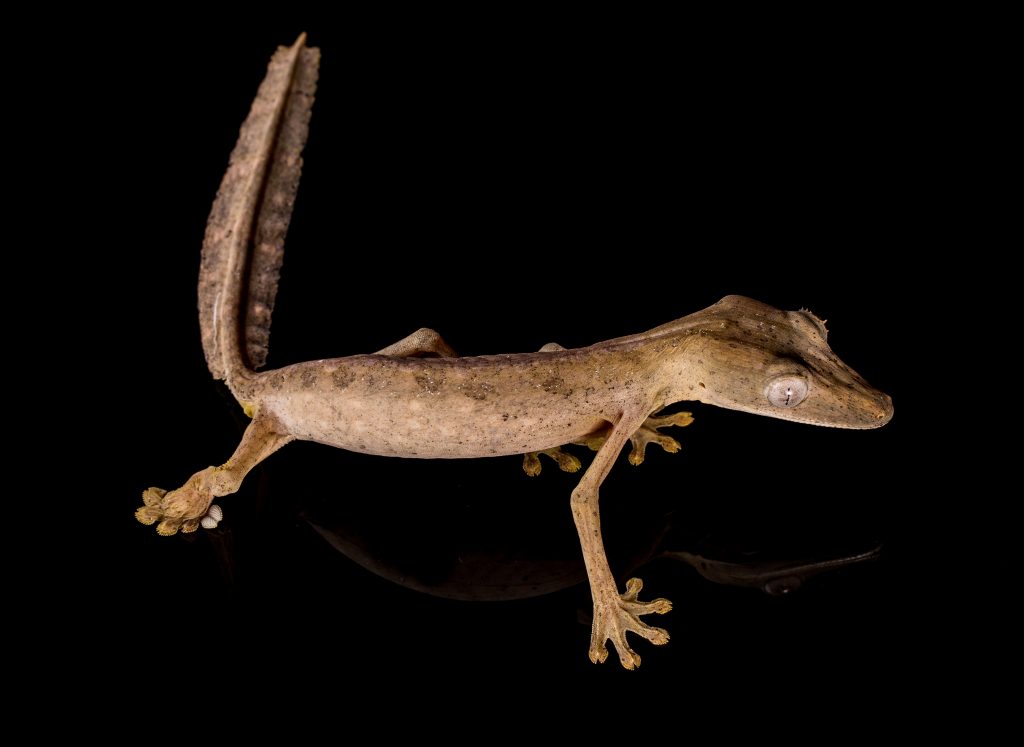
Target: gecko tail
[{"x": 244, "y": 244}]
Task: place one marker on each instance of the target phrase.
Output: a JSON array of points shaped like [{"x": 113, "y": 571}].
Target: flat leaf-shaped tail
[{"x": 244, "y": 244}]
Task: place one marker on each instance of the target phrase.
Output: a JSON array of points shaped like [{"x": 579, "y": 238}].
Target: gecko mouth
[{"x": 873, "y": 413}]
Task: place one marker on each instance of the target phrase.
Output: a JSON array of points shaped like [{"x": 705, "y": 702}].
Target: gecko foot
[
  {"x": 614, "y": 615},
  {"x": 645, "y": 434},
  {"x": 183, "y": 509},
  {"x": 566, "y": 462},
  {"x": 648, "y": 433}
]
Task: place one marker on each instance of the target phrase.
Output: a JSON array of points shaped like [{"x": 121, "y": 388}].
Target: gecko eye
[{"x": 786, "y": 391}]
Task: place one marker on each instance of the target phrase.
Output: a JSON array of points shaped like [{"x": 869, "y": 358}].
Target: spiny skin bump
[{"x": 739, "y": 354}]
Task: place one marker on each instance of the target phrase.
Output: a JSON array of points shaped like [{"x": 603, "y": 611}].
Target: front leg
[
  {"x": 185, "y": 507},
  {"x": 613, "y": 614}
]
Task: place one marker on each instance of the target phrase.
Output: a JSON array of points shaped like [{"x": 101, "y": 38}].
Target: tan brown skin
[{"x": 733, "y": 354}]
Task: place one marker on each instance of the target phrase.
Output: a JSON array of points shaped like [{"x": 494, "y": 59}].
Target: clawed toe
[
  {"x": 680, "y": 419},
  {"x": 629, "y": 658},
  {"x": 531, "y": 464},
  {"x": 168, "y": 527}
]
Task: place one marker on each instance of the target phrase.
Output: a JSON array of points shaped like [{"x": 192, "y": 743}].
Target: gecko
[{"x": 417, "y": 399}]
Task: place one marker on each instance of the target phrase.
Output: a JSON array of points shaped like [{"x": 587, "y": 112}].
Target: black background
[{"x": 508, "y": 192}]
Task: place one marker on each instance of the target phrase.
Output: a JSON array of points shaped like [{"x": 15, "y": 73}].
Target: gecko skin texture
[{"x": 416, "y": 398}]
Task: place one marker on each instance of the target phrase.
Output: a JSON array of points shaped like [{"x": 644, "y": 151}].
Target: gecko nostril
[{"x": 885, "y": 408}]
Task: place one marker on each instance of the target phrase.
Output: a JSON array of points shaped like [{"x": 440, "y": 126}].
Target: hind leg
[{"x": 185, "y": 507}]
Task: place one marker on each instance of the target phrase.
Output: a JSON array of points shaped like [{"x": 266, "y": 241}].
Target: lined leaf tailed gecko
[{"x": 416, "y": 398}]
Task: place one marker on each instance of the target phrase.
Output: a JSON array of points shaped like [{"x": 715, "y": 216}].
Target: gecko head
[{"x": 755, "y": 358}]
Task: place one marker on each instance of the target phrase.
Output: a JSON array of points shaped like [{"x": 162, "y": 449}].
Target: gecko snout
[{"x": 885, "y": 409}]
